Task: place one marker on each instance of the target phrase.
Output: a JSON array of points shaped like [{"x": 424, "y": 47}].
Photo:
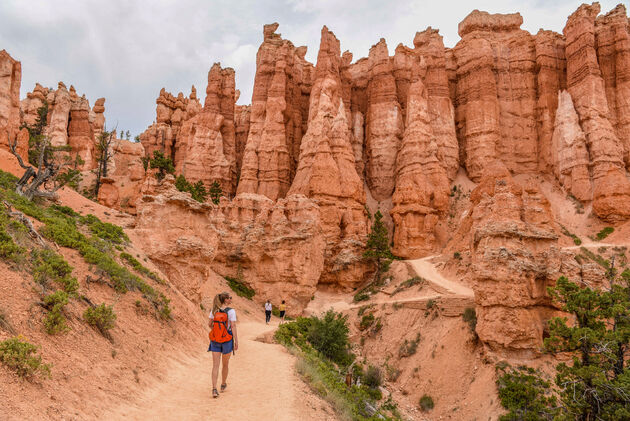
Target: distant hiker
[
  {"x": 223, "y": 338},
  {"x": 283, "y": 309},
  {"x": 268, "y": 308}
]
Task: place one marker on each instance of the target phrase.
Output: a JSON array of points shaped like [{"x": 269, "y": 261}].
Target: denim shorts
[{"x": 224, "y": 348}]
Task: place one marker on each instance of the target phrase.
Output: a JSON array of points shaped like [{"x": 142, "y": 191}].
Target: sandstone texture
[
  {"x": 278, "y": 116},
  {"x": 10, "y": 80},
  {"x": 276, "y": 247}
]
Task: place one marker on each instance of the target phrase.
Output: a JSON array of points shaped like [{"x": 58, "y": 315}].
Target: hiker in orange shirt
[
  {"x": 283, "y": 309},
  {"x": 223, "y": 338}
]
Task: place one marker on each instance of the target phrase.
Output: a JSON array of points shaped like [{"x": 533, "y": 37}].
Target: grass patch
[
  {"x": 48, "y": 266},
  {"x": 576, "y": 240},
  {"x": 138, "y": 267},
  {"x": 595, "y": 257},
  {"x": 408, "y": 348},
  {"x": 55, "y": 321},
  {"x": 22, "y": 357},
  {"x": 426, "y": 403},
  {"x": 470, "y": 317},
  {"x": 366, "y": 321},
  {"x": 416, "y": 280},
  {"x": 605, "y": 232},
  {"x": 102, "y": 317},
  {"x": 312, "y": 339},
  {"x": 240, "y": 288},
  {"x": 66, "y": 228}
]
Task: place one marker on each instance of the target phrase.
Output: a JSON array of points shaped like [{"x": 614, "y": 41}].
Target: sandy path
[
  {"x": 588, "y": 244},
  {"x": 425, "y": 269},
  {"x": 262, "y": 385}
]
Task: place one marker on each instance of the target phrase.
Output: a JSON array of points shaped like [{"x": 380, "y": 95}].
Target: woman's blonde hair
[{"x": 219, "y": 300}]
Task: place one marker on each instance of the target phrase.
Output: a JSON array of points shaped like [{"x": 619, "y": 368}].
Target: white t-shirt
[
  {"x": 268, "y": 306},
  {"x": 231, "y": 317}
]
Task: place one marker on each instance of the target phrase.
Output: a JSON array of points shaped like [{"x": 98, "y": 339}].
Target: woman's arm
[
  {"x": 234, "y": 335},
  {"x": 210, "y": 322}
]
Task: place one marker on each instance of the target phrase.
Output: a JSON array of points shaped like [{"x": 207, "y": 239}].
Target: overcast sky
[{"x": 126, "y": 50}]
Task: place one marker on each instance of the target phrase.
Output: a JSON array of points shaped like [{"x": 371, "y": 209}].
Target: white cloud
[{"x": 128, "y": 50}]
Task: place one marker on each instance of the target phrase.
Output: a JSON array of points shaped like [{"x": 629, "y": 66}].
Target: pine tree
[
  {"x": 377, "y": 247},
  {"x": 215, "y": 192},
  {"x": 163, "y": 164}
]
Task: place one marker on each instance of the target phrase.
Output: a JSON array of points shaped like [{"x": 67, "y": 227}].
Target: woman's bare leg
[
  {"x": 216, "y": 360},
  {"x": 225, "y": 367}
]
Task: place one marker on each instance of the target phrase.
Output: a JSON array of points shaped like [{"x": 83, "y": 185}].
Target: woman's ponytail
[{"x": 218, "y": 301}]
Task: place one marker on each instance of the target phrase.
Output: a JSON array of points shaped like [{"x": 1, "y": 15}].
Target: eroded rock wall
[{"x": 10, "y": 80}]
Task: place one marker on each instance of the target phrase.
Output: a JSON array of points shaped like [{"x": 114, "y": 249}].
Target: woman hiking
[
  {"x": 223, "y": 338},
  {"x": 283, "y": 309}
]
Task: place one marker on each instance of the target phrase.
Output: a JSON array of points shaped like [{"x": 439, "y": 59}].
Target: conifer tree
[
  {"x": 215, "y": 192},
  {"x": 163, "y": 164},
  {"x": 377, "y": 247}
]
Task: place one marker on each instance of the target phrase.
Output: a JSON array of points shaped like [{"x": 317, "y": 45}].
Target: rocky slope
[{"x": 528, "y": 125}]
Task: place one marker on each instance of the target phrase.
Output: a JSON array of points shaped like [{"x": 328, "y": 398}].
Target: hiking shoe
[
  {"x": 223, "y": 387},
  {"x": 215, "y": 393}
]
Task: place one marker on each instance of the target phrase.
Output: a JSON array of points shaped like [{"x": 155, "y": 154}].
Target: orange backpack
[{"x": 219, "y": 332}]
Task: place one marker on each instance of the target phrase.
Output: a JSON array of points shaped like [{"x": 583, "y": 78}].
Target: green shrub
[
  {"x": 329, "y": 335},
  {"x": 55, "y": 322},
  {"x": 362, "y": 309},
  {"x": 408, "y": 284},
  {"x": 140, "y": 268},
  {"x": 595, "y": 257},
  {"x": 7, "y": 180},
  {"x": 197, "y": 190},
  {"x": 102, "y": 317},
  {"x": 361, "y": 296},
  {"x": 408, "y": 348},
  {"x": 605, "y": 232},
  {"x": 524, "y": 394},
  {"x": 163, "y": 164},
  {"x": 470, "y": 317},
  {"x": 22, "y": 357},
  {"x": 8, "y": 249},
  {"x": 49, "y": 266},
  {"x": 240, "y": 288},
  {"x": 62, "y": 229},
  {"x": 430, "y": 304},
  {"x": 373, "y": 377},
  {"x": 426, "y": 403},
  {"x": 104, "y": 230},
  {"x": 366, "y": 321},
  {"x": 457, "y": 255}
]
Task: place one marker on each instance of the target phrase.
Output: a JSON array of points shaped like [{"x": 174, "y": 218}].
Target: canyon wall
[{"x": 322, "y": 144}]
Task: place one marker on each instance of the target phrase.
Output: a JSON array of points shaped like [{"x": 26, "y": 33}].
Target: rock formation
[
  {"x": 611, "y": 188},
  {"x": 327, "y": 174},
  {"x": 170, "y": 112},
  {"x": 121, "y": 188},
  {"x": 10, "y": 80},
  {"x": 205, "y": 149},
  {"x": 274, "y": 247},
  {"x": 278, "y": 116},
  {"x": 569, "y": 154}
]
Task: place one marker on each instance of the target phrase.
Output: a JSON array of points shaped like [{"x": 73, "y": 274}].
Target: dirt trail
[
  {"x": 426, "y": 269},
  {"x": 588, "y": 244},
  {"x": 262, "y": 384}
]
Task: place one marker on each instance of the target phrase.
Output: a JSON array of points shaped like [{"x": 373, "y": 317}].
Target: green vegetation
[
  {"x": 377, "y": 248},
  {"x": 361, "y": 296},
  {"x": 595, "y": 383},
  {"x": 9, "y": 250},
  {"x": 426, "y": 403},
  {"x": 457, "y": 255},
  {"x": 362, "y": 309},
  {"x": 64, "y": 227},
  {"x": 239, "y": 287},
  {"x": 48, "y": 266},
  {"x": 366, "y": 321},
  {"x": 525, "y": 394},
  {"x": 55, "y": 321},
  {"x": 196, "y": 190},
  {"x": 470, "y": 317},
  {"x": 408, "y": 348},
  {"x": 163, "y": 164},
  {"x": 102, "y": 317},
  {"x": 323, "y": 351},
  {"x": 595, "y": 257},
  {"x": 416, "y": 280},
  {"x": 605, "y": 232},
  {"x": 215, "y": 192},
  {"x": 22, "y": 357},
  {"x": 104, "y": 230},
  {"x": 138, "y": 267},
  {"x": 576, "y": 239}
]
